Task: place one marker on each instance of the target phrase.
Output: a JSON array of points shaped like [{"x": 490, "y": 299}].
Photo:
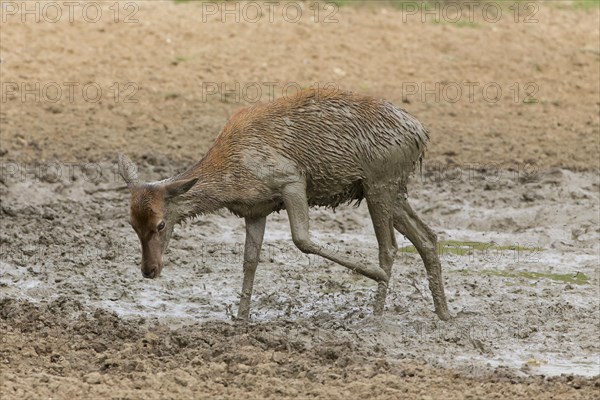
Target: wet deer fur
[{"x": 317, "y": 148}]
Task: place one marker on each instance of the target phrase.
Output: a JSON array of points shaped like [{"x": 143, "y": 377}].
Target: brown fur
[
  {"x": 318, "y": 148},
  {"x": 335, "y": 139}
]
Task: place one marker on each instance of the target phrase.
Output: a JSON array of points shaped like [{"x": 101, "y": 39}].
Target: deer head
[{"x": 153, "y": 213}]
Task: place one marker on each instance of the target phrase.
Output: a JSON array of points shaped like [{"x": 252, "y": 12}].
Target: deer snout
[
  {"x": 151, "y": 265},
  {"x": 151, "y": 272}
]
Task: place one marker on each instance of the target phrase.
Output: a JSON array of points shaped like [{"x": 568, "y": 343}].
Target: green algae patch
[
  {"x": 462, "y": 248},
  {"x": 577, "y": 278}
]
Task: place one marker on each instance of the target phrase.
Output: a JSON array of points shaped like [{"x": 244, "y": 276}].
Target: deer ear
[
  {"x": 128, "y": 171},
  {"x": 177, "y": 188}
]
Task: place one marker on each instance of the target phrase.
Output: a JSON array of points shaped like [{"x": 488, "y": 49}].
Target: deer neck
[{"x": 208, "y": 195}]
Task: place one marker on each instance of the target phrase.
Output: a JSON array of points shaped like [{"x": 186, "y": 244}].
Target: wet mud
[{"x": 520, "y": 269}]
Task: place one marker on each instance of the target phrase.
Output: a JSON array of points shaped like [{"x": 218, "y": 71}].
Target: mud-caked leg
[
  {"x": 255, "y": 230},
  {"x": 380, "y": 200},
  {"x": 425, "y": 241},
  {"x": 296, "y": 204}
]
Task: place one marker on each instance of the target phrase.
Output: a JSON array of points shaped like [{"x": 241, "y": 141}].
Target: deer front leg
[
  {"x": 255, "y": 231},
  {"x": 296, "y": 204}
]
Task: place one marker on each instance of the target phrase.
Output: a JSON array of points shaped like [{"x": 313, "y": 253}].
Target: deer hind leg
[
  {"x": 408, "y": 223},
  {"x": 255, "y": 231},
  {"x": 296, "y": 204},
  {"x": 380, "y": 200}
]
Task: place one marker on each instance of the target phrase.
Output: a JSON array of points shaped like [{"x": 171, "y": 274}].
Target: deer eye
[{"x": 160, "y": 226}]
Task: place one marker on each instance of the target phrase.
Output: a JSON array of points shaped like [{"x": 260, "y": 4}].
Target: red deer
[{"x": 317, "y": 148}]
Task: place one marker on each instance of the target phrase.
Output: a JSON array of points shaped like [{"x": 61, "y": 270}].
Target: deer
[{"x": 316, "y": 148}]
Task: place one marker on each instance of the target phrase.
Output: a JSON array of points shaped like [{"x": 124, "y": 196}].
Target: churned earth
[
  {"x": 510, "y": 185},
  {"x": 520, "y": 258}
]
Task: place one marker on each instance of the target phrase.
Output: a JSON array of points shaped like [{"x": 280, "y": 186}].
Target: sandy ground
[
  {"x": 510, "y": 186},
  {"x": 545, "y": 75}
]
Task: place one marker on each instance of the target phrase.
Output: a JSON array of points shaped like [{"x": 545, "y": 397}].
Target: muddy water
[{"x": 519, "y": 253}]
